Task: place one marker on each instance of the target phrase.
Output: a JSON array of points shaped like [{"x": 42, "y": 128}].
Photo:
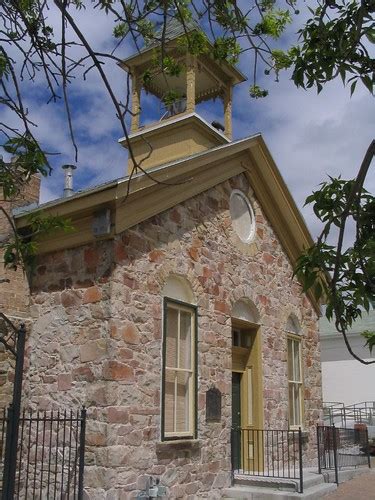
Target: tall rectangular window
[
  {"x": 295, "y": 383},
  {"x": 179, "y": 371}
]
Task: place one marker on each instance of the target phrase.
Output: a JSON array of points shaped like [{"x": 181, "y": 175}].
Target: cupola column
[
  {"x": 136, "y": 101},
  {"x": 228, "y": 111},
  {"x": 190, "y": 83}
]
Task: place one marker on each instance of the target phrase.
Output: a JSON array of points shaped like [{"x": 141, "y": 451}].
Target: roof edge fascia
[
  {"x": 297, "y": 213},
  {"x": 140, "y": 181},
  {"x": 180, "y": 119}
]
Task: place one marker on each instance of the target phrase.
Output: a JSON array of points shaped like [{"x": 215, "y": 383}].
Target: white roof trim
[
  {"x": 172, "y": 121},
  {"x": 123, "y": 180}
]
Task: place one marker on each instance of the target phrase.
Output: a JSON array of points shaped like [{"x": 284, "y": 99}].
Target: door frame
[{"x": 248, "y": 362}]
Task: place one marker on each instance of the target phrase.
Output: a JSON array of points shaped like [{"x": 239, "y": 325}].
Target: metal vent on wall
[{"x": 101, "y": 224}]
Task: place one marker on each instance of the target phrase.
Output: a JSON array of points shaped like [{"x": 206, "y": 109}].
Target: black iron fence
[
  {"x": 268, "y": 453},
  {"x": 49, "y": 456},
  {"x": 339, "y": 448}
]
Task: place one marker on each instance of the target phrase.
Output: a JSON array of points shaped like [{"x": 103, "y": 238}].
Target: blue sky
[{"x": 309, "y": 136}]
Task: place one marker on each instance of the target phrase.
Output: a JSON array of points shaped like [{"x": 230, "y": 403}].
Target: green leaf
[
  {"x": 256, "y": 92},
  {"x": 370, "y": 34},
  {"x": 370, "y": 339},
  {"x": 368, "y": 83}
]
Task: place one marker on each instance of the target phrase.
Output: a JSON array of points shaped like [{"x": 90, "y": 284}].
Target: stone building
[{"x": 176, "y": 290}]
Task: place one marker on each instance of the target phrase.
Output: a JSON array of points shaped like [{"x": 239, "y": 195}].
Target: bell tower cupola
[{"x": 180, "y": 131}]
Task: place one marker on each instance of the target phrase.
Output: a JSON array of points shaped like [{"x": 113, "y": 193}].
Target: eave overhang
[{"x": 145, "y": 55}]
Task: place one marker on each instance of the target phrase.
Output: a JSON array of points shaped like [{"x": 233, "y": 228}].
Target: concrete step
[
  {"x": 261, "y": 493},
  {"x": 344, "y": 474},
  {"x": 266, "y": 482},
  {"x": 284, "y": 484},
  {"x": 263, "y": 488},
  {"x": 311, "y": 479}
]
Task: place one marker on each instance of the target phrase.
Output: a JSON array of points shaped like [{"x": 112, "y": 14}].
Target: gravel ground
[{"x": 359, "y": 488}]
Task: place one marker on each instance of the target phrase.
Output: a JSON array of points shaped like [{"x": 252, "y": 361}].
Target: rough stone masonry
[{"x": 96, "y": 340}]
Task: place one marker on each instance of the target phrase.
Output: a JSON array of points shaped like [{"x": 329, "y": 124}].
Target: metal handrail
[{"x": 363, "y": 412}]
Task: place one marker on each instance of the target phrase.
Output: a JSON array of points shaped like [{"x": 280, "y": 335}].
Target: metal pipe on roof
[{"x": 68, "y": 180}]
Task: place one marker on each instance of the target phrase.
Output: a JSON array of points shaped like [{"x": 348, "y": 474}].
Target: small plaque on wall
[{"x": 213, "y": 405}]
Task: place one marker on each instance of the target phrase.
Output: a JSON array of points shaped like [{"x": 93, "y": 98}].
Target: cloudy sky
[{"x": 309, "y": 136}]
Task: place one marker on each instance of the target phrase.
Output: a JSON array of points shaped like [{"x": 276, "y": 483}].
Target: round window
[{"x": 242, "y": 214}]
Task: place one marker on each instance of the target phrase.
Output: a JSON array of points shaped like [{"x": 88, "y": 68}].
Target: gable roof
[{"x": 144, "y": 195}]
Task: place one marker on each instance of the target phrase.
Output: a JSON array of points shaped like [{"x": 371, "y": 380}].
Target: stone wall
[
  {"x": 97, "y": 340},
  {"x": 14, "y": 287}
]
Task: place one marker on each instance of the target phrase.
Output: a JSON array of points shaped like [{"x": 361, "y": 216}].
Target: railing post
[
  {"x": 368, "y": 450},
  {"x": 335, "y": 454},
  {"x": 7, "y": 452},
  {"x": 300, "y": 459},
  {"x": 81, "y": 453},
  {"x": 318, "y": 446},
  {"x": 10, "y": 457}
]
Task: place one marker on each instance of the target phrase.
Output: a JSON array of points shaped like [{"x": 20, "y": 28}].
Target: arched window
[
  {"x": 245, "y": 310},
  {"x": 179, "y": 387},
  {"x": 178, "y": 288},
  {"x": 292, "y": 325},
  {"x": 295, "y": 381}
]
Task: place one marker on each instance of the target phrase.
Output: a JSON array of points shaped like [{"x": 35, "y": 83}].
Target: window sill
[{"x": 178, "y": 445}]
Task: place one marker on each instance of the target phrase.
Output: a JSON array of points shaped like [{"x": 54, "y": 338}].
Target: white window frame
[
  {"x": 252, "y": 229},
  {"x": 181, "y": 306},
  {"x": 296, "y": 341}
]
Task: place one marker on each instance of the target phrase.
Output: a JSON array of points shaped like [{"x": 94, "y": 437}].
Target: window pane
[
  {"x": 171, "y": 338},
  {"x": 179, "y": 371},
  {"x": 295, "y": 379},
  {"x": 291, "y": 405},
  {"x": 297, "y": 404},
  {"x": 169, "y": 401},
  {"x": 296, "y": 363},
  {"x": 185, "y": 340},
  {"x": 182, "y": 403},
  {"x": 247, "y": 339},
  {"x": 236, "y": 338},
  {"x": 290, "y": 359}
]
